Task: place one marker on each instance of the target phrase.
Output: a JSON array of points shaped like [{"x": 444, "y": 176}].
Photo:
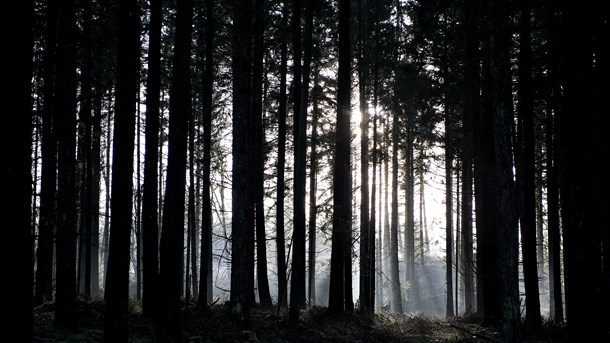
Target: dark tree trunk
[
  {"x": 297, "y": 281},
  {"x": 16, "y": 177},
  {"x": 117, "y": 275},
  {"x": 486, "y": 202},
  {"x": 281, "y": 163},
  {"x": 313, "y": 208},
  {"x": 365, "y": 238},
  {"x": 96, "y": 166},
  {"x": 258, "y": 162},
  {"x": 449, "y": 227},
  {"x": 65, "y": 92},
  {"x": 502, "y": 111},
  {"x": 471, "y": 109},
  {"x": 44, "y": 259},
  {"x": 241, "y": 285},
  {"x": 150, "y": 226},
  {"x": 172, "y": 235},
  {"x": 580, "y": 182},
  {"x": 396, "y": 302},
  {"x": 528, "y": 172},
  {"x": 205, "y": 285},
  {"x": 342, "y": 180},
  {"x": 85, "y": 118}
]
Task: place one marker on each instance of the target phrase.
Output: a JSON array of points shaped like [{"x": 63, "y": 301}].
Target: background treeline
[{"x": 286, "y": 153}]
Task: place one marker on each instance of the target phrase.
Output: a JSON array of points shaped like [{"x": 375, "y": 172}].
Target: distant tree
[
  {"x": 117, "y": 275},
  {"x": 172, "y": 236},
  {"x": 65, "y": 92},
  {"x": 341, "y": 259},
  {"x": 16, "y": 177}
]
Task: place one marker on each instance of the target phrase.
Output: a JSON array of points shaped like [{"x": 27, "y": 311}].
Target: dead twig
[{"x": 476, "y": 334}]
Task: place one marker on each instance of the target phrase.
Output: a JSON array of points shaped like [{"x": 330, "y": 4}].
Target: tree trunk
[
  {"x": 16, "y": 177},
  {"x": 117, "y": 275},
  {"x": 393, "y": 255},
  {"x": 65, "y": 304},
  {"x": 205, "y": 285},
  {"x": 258, "y": 162},
  {"x": 241, "y": 285},
  {"x": 44, "y": 260},
  {"x": 313, "y": 208},
  {"x": 172, "y": 235},
  {"x": 502, "y": 111},
  {"x": 339, "y": 301},
  {"x": 528, "y": 219},
  {"x": 297, "y": 281},
  {"x": 365, "y": 257},
  {"x": 281, "y": 163}
]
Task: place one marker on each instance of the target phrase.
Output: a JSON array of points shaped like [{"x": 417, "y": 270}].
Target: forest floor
[{"x": 267, "y": 325}]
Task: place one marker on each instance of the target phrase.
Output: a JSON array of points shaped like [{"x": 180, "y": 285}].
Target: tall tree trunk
[
  {"x": 172, "y": 235},
  {"x": 297, "y": 281},
  {"x": 44, "y": 260},
  {"x": 528, "y": 219},
  {"x": 365, "y": 258},
  {"x": 16, "y": 177},
  {"x": 313, "y": 208},
  {"x": 486, "y": 205},
  {"x": 471, "y": 111},
  {"x": 241, "y": 285},
  {"x": 150, "y": 225},
  {"x": 502, "y": 111},
  {"x": 579, "y": 179},
  {"x": 449, "y": 225},
  {"x": 342, "y": 180},
  {"x": 396, "y": 302},
  {"x": 553, "y": 111},
  {"x": 96, "y": 171},
  {"x": 65, "y": 304},
  {"x": 281, "y": 163},
  {"x": 205, "y": 285},
  {"x": 117, "y": 275},
  {"x": 258, "y": 162}
]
